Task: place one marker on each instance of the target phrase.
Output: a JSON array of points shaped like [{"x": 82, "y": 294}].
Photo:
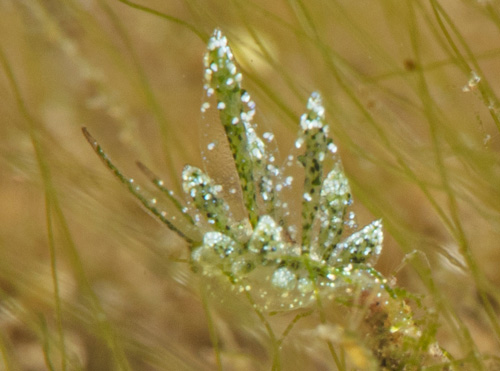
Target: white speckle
[
  {"x": 307, "y": 197},
  {"x": 315, "y": 104},
  {"x": 284, "y": 278},
  {"x": 332, "y": 147},
  {"x": 245, "y": 97},
  {"x": 211, "y": 146},
  {"x": 268, "y": 136},
  {"x": 250, "y": 114},
  {"x": 205, "y": 106},
  {"x": 221, "y": 105},
  {"x": 232, "y": 68},
  {"x": 257, "y": 153}
]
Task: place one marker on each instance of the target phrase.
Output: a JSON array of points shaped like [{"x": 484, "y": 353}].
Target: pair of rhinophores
[{"x": 282, "y": 263}]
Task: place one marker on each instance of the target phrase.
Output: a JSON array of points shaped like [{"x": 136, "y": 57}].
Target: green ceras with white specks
[{"x": 223, "y": 79}]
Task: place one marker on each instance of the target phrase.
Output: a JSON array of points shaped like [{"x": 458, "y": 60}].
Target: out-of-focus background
[{"x": 410, "y": 89}]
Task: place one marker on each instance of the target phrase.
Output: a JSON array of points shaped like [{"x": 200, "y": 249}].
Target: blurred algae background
[{"x": 90, "y": 281}]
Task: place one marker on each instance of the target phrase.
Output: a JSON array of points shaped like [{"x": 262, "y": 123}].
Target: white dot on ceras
[
  {"x": 232, "y": 69},
  {"x": 268, "y": 136},
  {"x": 245, "y": 97},
  {"x": 208, "y": 74},
  {"x": 307, "y": 196},
  {"x": 299, "y": 142},
  {"x": 257, "y": 153},
  {"x": 211, "y": 146},
  {"x": 332, "y": 147},
  {"x": 221, "y": 105},
  {"x": 250, "y": 114},
  {"x": 205, "y": 106}
]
